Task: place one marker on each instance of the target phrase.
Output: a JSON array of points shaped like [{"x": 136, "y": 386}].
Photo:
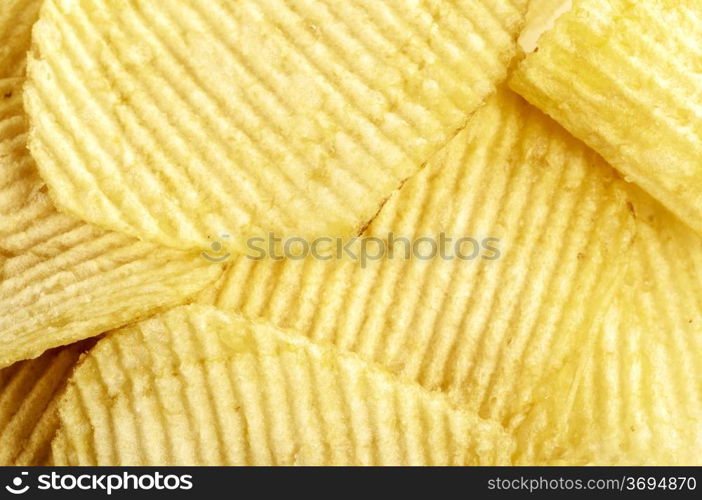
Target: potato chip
[
  {"x": 29, "y": 393},
  {"x": 484, "y": 331},
  {"x": 623, "y": 76},
  {"x": 62, "y": 280},
  {"x": 539, "y": 19},
  {"x": 635, "y": 396},
  {"x": 177, "y": 122},
  {"x": 208, "y": 387},
  {"x": 16, "y": 20}
]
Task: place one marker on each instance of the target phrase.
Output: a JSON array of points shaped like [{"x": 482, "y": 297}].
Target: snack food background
[{"x": 145, "y": 145}]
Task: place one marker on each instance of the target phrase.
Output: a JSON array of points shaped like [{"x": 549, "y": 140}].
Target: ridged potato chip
[
  {"x": 539, "y": 19},
  {"x": 623, "y": 76},
  {"x": 62, "y": 280},
  {"x": 484, "y": 331},
  {"x": 177, "y": 122},
  {"x": 635, "y": 395},
  {"x": 29, "y": 393},
  {"x": 16, "y": 20},
  {"x": 199, "y": 386}
]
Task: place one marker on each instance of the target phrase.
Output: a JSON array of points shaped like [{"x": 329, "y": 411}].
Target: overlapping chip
[
  {"x": 62, "y": 280},
  {"x": 319, "y": 111},
  {"x": 16, "y": 20},
  {"x": 484, "y": 331},
  {"x": 539, "y": 19},
  {"x": 623, "y": 76},
  {"x": 635, "y": 395},
  {"x": 29, "y": 393},
  {"x": 199, "y": 386}
]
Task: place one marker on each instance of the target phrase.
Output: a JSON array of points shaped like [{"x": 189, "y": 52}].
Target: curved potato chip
[
  {"x": 29, "y": 392},
  {"x": 635, "y": 396},
  {"x": 620, "y": 75},
  {"x": 16, "y": 20},
  {"x": 62, "y": 280},
  {"x": 539, "y": 19},
  {"x": 485, "y": 331},
  {"x": 208, "y": 387},
  {"x": 178, "y": 121}
]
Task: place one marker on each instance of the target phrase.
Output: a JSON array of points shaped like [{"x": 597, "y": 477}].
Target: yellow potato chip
[
  {"x": 635, "y": 396},
  {"x": 623, "y": 76},
  {"x": 179, "y": 121},
  {"x": 16, "y": 20},
  {"x": 539, "y": 19},
  {"x": 62, "y": 280},
  {"x": 29, "y": 393},
  {"x": 207, "y": 387},
  {"x": 485, "y": 331}
]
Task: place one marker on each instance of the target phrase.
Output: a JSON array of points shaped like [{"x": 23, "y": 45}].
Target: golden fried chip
[
  {"x": 178, "y": 121},
  {"x": 485, "y": 331},
  {"x": 16, "y": 20},
  {"x": 62, "y": 280},
  {"x": 29, "y": 393},
  {"x": 635, "y": 395},
  {"x": 539, "y": 19},
  {"x": 623, "y": 76},
  {"x": 208, "y": 387}
]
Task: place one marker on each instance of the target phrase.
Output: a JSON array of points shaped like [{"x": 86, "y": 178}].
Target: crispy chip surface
[
  {"x": 485, "y": 331},
  {"x": 208, "y": 387},
  {"x": 16, "y": 20},
  {"x": 623, "y": 76},
  {"x": 318, "y": 111},
  {"x": 29, "y": 393},
  {"x": 635, "y": 396},
  {"x": 539, "y": 19},
  {"x": 62, "y": 280}
]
